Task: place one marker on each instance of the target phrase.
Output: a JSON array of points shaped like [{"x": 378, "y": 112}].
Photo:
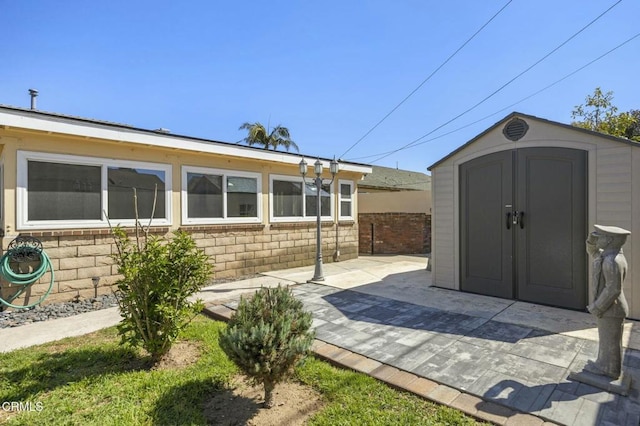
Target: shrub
[
  {"x": 268, "y": 336},
  {"x": 159, "y": 275}
]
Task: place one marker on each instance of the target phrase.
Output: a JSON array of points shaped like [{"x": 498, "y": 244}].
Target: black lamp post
[{"x": 317, "y": 169}]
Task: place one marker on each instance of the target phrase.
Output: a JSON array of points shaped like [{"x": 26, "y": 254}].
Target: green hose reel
[{"x": 24, "y": 252}]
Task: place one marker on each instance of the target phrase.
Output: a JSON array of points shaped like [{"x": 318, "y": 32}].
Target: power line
[
  {"x": 501, "y": 87},
  {"x": 509, "y": 106},
  {"x": 426, "y": 79},
  {"x": 415, "y": 141}
]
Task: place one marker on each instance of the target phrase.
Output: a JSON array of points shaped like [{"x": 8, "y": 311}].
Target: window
[
  {"x": 220, "y": 196},
  {"x": 64, "y": 191},
  {"x": 242, "y": 197},
  {"x": 58, "y": 191},
  {"x": 287, "y": 198},
  {"x": 204, "y": 195},
  {"x": 311, "y": 199},
  {"x": 290, "y": 203},
  {"x": 346, "y": 199},
  {"x": 148, "y": 184}
]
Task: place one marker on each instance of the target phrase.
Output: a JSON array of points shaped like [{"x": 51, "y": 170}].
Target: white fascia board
[{"x": 91, "y": 130}]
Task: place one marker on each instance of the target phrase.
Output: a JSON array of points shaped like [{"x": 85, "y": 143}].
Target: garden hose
[{"x": 24, "y": 281}]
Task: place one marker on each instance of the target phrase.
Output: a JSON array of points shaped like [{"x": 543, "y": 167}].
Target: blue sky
[{"x": 328, "y": 70}]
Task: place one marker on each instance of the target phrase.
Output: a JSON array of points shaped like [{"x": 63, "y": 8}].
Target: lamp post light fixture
[{"x": 334, "y": 167}]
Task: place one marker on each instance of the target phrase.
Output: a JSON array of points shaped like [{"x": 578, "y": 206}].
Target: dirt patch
[
  {"x": 242, "y": 405},
  {"x": 5, "y": 415},
  {"x": 181, "y": 355}
]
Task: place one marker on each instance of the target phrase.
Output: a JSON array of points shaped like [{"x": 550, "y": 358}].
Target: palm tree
[{"x": 258, "y": 135}]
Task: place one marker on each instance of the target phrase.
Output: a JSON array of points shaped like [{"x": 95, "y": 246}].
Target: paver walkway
[
  {"x": 486, "y": 356},
  {"x": 515, "y": 366}
]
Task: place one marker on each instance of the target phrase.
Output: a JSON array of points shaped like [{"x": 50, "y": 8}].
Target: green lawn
[{"x": 93, "y": 380}]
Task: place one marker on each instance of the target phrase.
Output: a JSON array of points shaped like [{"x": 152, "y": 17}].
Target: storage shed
[{"x": 512, "y": 209}]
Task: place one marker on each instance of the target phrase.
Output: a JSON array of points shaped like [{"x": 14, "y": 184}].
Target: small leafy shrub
[
  {"x": 159, "y": 275},
  {"x": 268, "y": 336}
]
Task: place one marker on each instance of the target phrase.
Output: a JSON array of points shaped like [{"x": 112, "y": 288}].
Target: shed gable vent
[{"x": 515, "y": 129}]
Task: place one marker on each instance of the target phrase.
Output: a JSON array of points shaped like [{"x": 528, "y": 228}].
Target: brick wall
[
  {"x": 394, "y": 233},
  {"x": 235, "y": 251}
]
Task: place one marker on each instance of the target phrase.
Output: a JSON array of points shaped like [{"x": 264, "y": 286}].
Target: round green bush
[{"x": 268, "y": 336}]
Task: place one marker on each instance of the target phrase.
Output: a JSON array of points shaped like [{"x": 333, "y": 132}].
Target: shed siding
[
  {"x": 443, "y": 235},
  {"x": 633, "y": 256},
  {"x": 614, "y": 200}
]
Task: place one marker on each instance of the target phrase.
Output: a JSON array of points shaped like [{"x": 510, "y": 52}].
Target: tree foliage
[
  {"x": 268, "y": 336},
  {"x": 599, "y": 114},
  {"x": 633, "y": 131},
  {"x": 158, "y": 277},
  {"x": 279, "y": 136}
]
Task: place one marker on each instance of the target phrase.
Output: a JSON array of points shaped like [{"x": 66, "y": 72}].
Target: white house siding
[
  {"x": 395, "y": 202},
  {"x": 613, "y": 193}
]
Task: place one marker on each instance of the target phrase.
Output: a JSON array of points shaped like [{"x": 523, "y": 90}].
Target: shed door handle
[
  {"x": 521, "y": 220},
  {"x": 508, "y": 220}
]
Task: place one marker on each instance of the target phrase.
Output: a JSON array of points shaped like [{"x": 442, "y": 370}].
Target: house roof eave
[{"x": 76, "y": 126}]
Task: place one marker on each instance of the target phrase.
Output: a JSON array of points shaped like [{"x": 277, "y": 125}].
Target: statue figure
[{"x": 609, "y": 304}]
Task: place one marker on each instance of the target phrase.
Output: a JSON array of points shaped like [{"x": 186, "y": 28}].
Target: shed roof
[
  {"x": 542, "y": 120},
  {"x": 395, "y": 180},
  {"x": 23, "y": 118}
]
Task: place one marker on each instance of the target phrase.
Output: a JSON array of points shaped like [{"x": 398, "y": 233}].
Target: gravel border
[
  {"x": 18, "y": 317},
  {"x": 51, "y": 311}
]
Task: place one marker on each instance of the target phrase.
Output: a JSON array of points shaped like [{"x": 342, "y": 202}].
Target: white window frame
[
  {"x": 304, "y": 217},
  {"x": 225, "y": 173},
  {"x": 340, "y": 200},
  {"x": 24, "y": 157}
]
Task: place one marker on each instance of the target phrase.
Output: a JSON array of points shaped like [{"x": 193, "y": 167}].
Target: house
[
  {"x": 394, "y": 212},
  {"x": 387, "y": 179},
  {"x": 66, "y": 179},
  {"x": 512, "y": 209}
]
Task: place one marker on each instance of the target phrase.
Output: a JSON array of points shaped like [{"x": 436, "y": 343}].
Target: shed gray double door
[{"x": 523, "y": 226}]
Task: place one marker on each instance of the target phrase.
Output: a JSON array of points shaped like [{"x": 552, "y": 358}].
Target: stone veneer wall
[
  {"x": 236, "y": 251},
  {"x": 394, "y": 233},
  {"x": 246, "y": 250}
]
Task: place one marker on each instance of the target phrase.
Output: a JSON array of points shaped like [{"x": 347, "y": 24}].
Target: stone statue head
[{"x": 610, "y": 237}]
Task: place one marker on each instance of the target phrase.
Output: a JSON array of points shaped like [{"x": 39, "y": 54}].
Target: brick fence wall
[
  {"x": 79, "y": 255},
  {"x": 394, "y": 233}
]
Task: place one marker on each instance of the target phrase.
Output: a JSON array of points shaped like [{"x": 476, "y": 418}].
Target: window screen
[{"x": 57, "y": 191}]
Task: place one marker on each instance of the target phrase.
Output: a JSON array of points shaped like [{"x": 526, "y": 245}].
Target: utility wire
[
  {"x": 426, "y": 79},
  {"x": 513, "y": 104},
  {"x": 415, "y": 141}
]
